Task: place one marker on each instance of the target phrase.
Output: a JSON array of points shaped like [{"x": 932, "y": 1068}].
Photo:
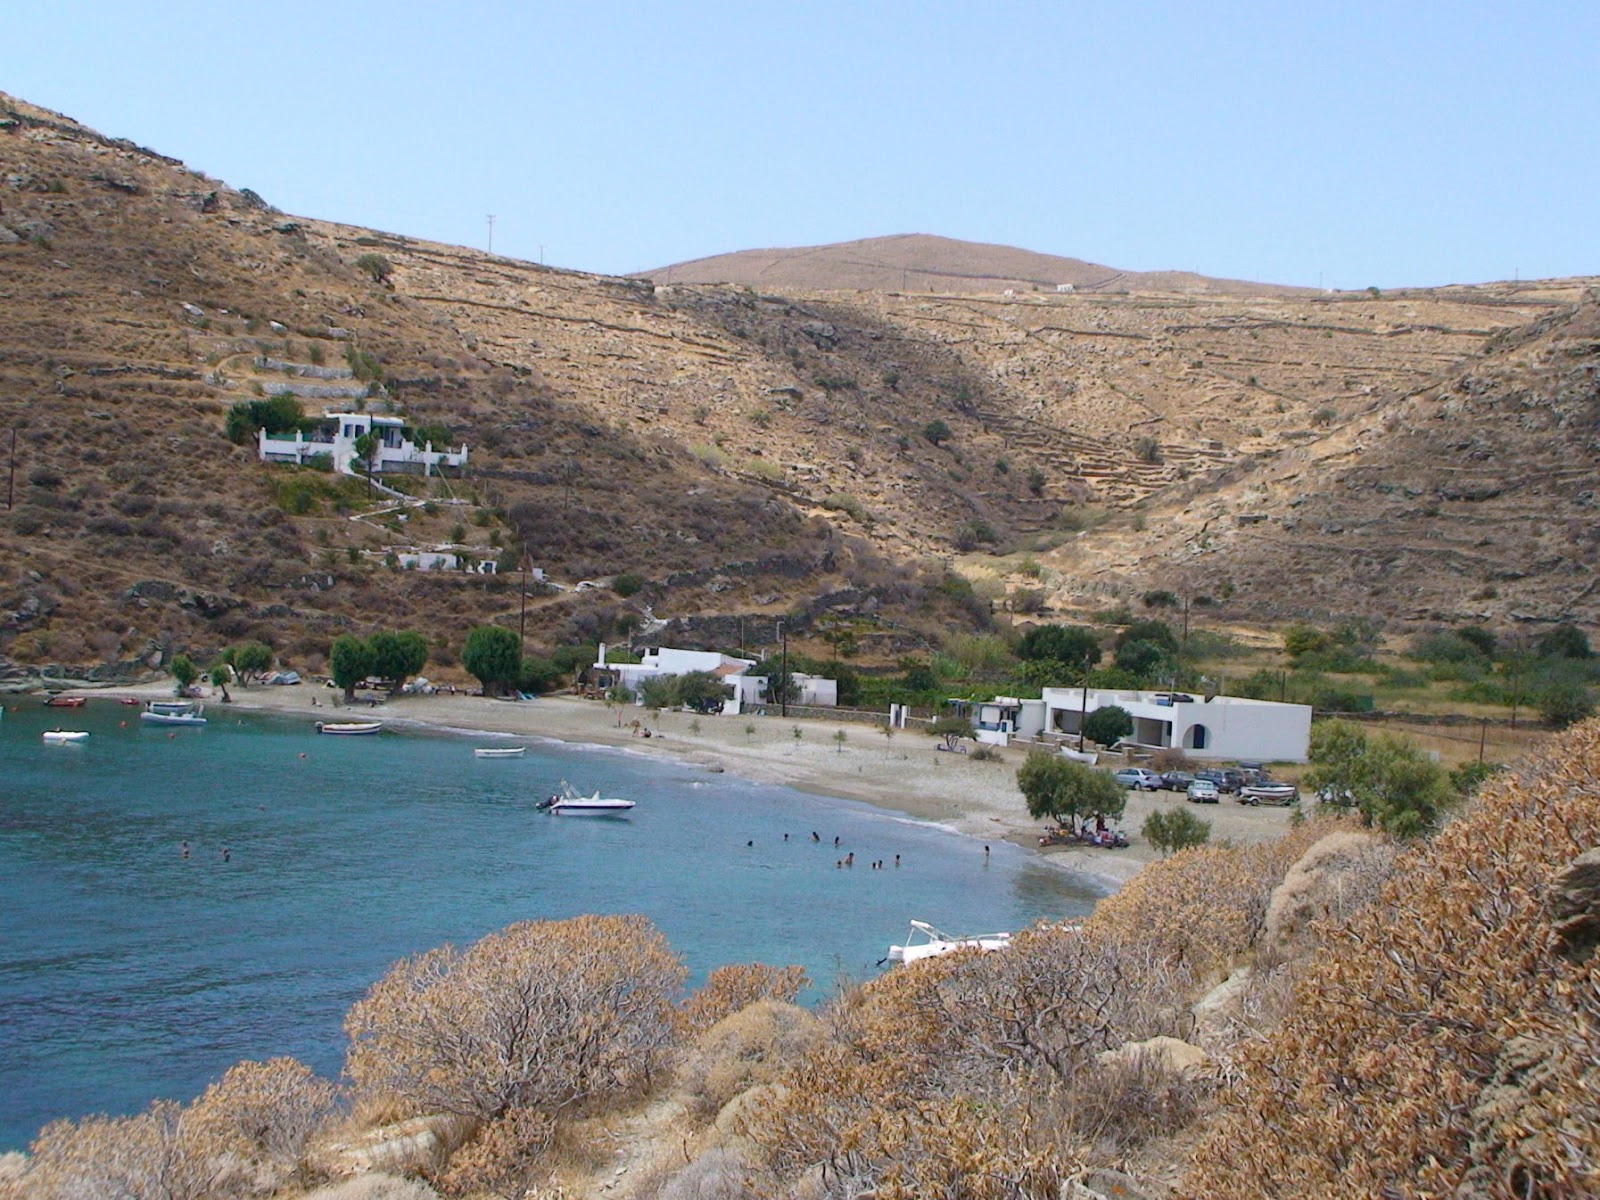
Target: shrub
[
  {"x": 1075, "y": 645},
  {"x": 1147, "y": 450},
  {"x": 749, "y": 1046},
  {"x": 494, "y": 656},
  {"x": 375, "y": 265},
  {"x": 499, "y": 1158},
  {"x": 540, "y": 1014},
  {"x": 936, "y": 431},
  {"x": 1108, "y": 725},
  {"x": 1566, "y": 703},
  {"x": 731, "y": 988},
  {"x": 975, "y": 533},
  {"x": 1565, "y": 641},
  {"x": 1170, "y": 829},
  {"x": 627, "y": 584},
  {"x": 846, "y": 503},
  {"x": 264, "y": 1112}
]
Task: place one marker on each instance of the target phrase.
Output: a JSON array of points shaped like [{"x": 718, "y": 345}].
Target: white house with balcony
[
  {"x": 335, "y": 436},
  {"x": 1201, "y": 726}
]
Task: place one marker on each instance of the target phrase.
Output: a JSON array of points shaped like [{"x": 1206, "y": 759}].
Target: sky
[{"x": 1346, "y": 145}]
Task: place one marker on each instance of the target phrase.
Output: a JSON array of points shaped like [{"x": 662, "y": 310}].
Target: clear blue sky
[{"x": 1351, "y": 143}]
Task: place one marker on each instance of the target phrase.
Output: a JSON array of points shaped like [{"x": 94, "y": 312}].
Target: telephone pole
[
  {"x": 491, "y": 233},
  {"x": 783, "y": 689}
]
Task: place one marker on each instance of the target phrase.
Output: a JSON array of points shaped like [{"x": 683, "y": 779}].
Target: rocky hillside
[{"x": 746, "y": 451}]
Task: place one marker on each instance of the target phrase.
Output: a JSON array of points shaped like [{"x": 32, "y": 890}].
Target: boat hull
[
  {"x": 65, "y": 737},
  {"x": 581, "y": 808},
  {"x": 349, "y": 728},
  {"x": 498, "y": 752},
  {"x": 156, "y": 718}
]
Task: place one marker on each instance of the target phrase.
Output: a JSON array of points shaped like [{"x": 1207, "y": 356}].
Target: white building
[
  {"x": 335, "y": 439},
  {"x": 743, "y": 688},
  {"x": 1201, "y": 726}
]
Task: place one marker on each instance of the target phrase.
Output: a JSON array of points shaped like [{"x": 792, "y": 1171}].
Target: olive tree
[
  {"x": 184, "y": 672},
  {"x": 248, "y": 660},
  {"x": 1108, "y": 725},
  {"x": 1169, "y": 829},
  {"x": 952, "y": 730},
  {"x": 1396, "y": 788},
  {"x": 1061, "y": 790},
  {"x": 540, "y": 1014}
]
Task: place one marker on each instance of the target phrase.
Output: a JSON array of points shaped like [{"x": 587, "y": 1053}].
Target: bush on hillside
[{"x": 1393, "y": 1072}]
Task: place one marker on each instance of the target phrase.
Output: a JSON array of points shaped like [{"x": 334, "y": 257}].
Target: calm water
[{"x": 128, "y": 972}]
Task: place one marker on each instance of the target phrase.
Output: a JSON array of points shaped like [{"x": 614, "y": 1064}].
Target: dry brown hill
[
  {"x": 746, "y": 451},
  {"x": 921, "y": 262}
]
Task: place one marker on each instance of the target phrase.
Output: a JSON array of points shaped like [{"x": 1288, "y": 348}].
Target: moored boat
[
  {"x": 568, "y": 802},
  {"x": 167, "y": 712},
  {"x": 498, "y": 751},
  {"x": 933, "y": 943},
  {"x": 65, "y": 701},
  {"x": 349, "y": 728},
  {"x": 65, "y": 737}
]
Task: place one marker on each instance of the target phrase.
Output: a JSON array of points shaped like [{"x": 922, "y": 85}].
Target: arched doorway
[{"x": 1196, "y": 737}]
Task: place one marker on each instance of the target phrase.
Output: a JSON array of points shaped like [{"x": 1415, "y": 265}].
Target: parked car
[
  {"x": 1176, "y": 781},
  {"x": 1226, "y": 778},
  {"x": 1269, "y": 793},
  {"x": 1139, "y": 779},
  {"x": 1203, "y": 791}
]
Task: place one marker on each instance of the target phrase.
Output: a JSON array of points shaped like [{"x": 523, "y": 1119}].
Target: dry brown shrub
[
  {"x": 150, "y": 1156},
  {"x": 1171, "y": 758},
  {"x": 730, "y": 988},
  {"x": 375, "y": 1187},
  {"x": 747, "y": 1048},
  {"x": 264, "y": 1112},
  {"x": 1204, "y": 907},
  {"x": 498, "y": 1160},
  {"x": 1443, "y": 1044},
  {"x": 1332, "y": 881},
  {"x": 537, "y": 1015}
]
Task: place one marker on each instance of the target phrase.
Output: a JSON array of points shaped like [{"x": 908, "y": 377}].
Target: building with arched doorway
[{"x": 1231, "y": 727}]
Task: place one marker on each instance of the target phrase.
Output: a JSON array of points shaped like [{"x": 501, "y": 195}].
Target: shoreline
[{"x": 901, "y": 773}]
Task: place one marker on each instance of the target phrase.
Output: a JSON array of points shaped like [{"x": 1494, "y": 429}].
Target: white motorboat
[
  {"x": 498, "y": 751},
  {"x": 65, "y": 737},
  {"x": 927, "y": 942},
  {"x": 349, "y": 728},
  {"x": 568, "y": 802},
  {"x": 169, "y": 712},
  {"x": 1089, "y": 757}
]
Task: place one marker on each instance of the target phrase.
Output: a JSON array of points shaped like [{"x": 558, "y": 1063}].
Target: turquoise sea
[{"x": 130, "y": 972}]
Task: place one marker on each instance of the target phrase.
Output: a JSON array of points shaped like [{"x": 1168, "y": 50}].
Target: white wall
[{"x": 1233, "y": 727}]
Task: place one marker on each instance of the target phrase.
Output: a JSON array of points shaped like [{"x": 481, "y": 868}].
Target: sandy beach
[{"x": 903, "y": 772}]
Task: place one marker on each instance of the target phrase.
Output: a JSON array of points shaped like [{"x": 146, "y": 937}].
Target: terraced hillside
[{"x": 746, "y": 452}]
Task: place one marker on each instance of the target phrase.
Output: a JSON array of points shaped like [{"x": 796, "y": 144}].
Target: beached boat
[
  {"x": 1089, "y": 757},
  {"x": 927, "y": 942},
  {"x": 498, "y": 751},
  {"x": 65, "y": 736},
  {"x": 349, "y": 728},
  {"x": 568, "y": 802},
  {"x": 168, "y": 712},
  {"x": 65, "y": 701}
]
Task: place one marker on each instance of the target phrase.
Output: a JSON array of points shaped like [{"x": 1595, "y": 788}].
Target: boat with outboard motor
[
  {"x": 927, "y": 942},
  {"x": 569, "y": 802},
  {"x": 349, "y": 728}
]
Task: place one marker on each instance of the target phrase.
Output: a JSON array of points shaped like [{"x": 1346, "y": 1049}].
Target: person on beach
[{"x": 814, "y": 836}]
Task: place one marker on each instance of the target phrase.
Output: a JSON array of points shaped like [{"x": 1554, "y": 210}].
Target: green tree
[
  {"x": 781, "y": 685},
  {"x": 1566, "y": 702},
  {"x": 701, "y": 691},
  {"x": 1061, "y": 790},
  {"x": 1394, "y": 785},
  {"x": 936, "y": 431},
  {"x": 366, "y": 448},
  {"x": 627, "y": 584},
  {"x": 250, "y": 661},
  {"x": 220, "y": 674},
  {"x": 184, "y": 672},
  {"x": 1158, "y": 632},
  {"x": 658, "y": 691},
  {"x": 952, "y": 730},
  {"x": 1061, "y": 643},
  {"x": 397, "y": 656},
  {"x": 1108, "y": 725},
  {"x": 1171, "y": 829},
  {"x": 1565, "y": 641},
  {"x": 1144, "y": 659},
  {"x": 494, "y": 657},
  {"x": 349, "y": 662},
  {"x": 539, "y": 675}
]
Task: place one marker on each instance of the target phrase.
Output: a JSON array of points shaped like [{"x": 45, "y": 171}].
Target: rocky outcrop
[
  {"x": 1337, "y": 875},
  {"x": 1574, "y": 905}
]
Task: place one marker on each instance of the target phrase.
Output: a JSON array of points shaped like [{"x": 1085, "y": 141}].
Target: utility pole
[
  {"x": 491, "y": 233},
  {"x": 11, "y": 483},
  {"x": 1483, "y": 734},
  {"x": 783, "y": 690},
  {"x": 522, "y": 612}
]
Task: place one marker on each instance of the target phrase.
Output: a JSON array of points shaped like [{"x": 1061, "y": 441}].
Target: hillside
[
  {"x": 747, "y": 452},
  {"x": 920, "y": 262}
]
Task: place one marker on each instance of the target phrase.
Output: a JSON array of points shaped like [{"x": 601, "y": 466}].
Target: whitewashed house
[
  {"x": 1201, "y": 726},
  {"x": 335, "y": 437},
  {"x": 743, "y": 688}
]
